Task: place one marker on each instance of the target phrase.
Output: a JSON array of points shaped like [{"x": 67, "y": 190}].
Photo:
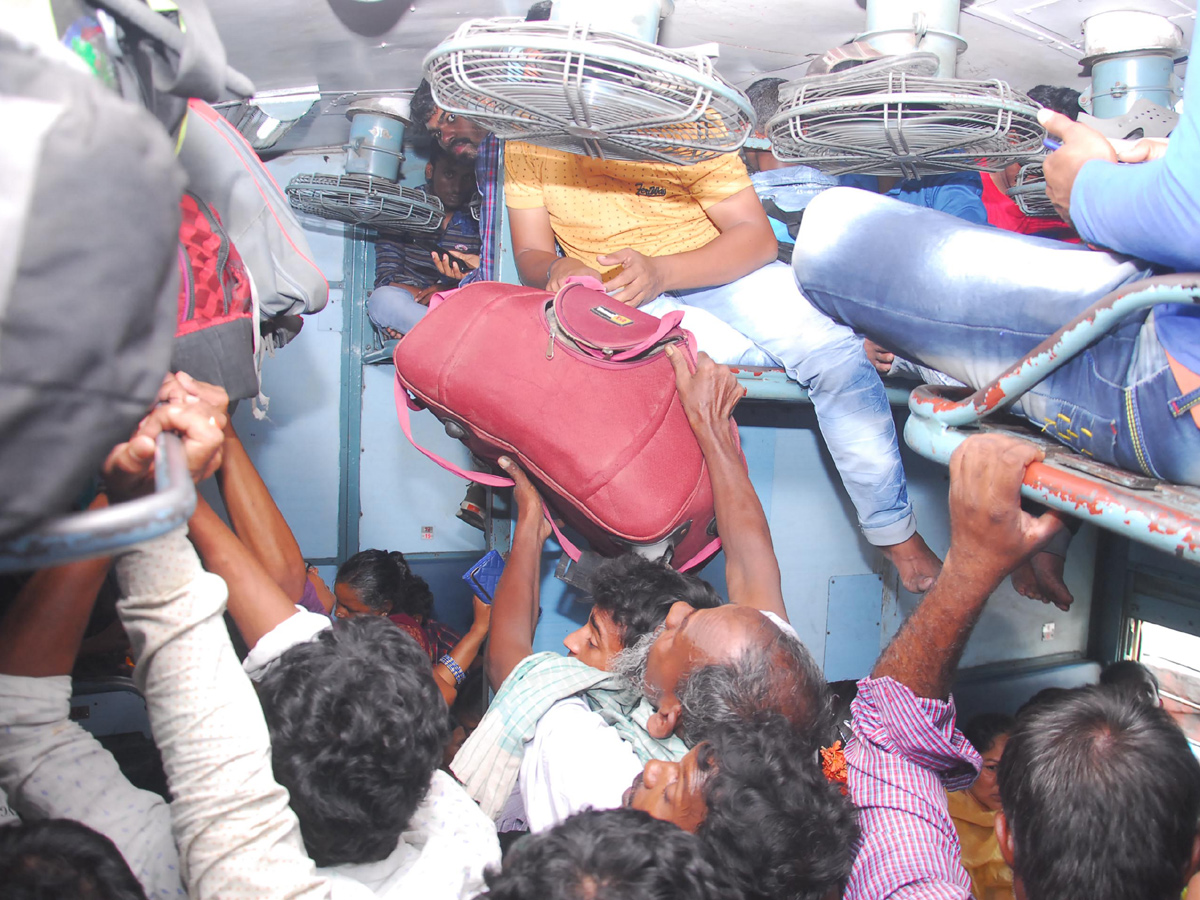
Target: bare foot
[
  {"x": 1042, "y": 579},
  {"x": 881, "y": 359},
  {"x": 1025, "y": 583},
  {"x": 917, "y": 564}
]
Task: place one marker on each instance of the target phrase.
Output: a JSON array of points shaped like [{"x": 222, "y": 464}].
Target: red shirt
[{"x": 1003, "y": 212}]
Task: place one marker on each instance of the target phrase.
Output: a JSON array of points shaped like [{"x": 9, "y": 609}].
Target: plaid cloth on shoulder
[
  {"x": 906, "y": 754},
  {"x": 489, "y": 762},
  {"x": 488, "y": 166}
]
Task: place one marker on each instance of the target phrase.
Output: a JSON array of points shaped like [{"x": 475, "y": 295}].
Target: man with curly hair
[
  {"x": 768, "y": 818},
  {"x": 617, "y": 854},
  {"x": 357, "y": 730}
]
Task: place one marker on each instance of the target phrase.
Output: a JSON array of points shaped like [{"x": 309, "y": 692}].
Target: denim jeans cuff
[{"x": 896, "y": 533}]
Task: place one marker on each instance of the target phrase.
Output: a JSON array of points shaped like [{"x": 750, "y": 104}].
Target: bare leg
[{"x": 917, "y": 564}]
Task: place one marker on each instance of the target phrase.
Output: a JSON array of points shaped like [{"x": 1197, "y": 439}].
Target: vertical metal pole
[
  {"x": 902, "y": 26},
  {"x": 354, "y": 295}
]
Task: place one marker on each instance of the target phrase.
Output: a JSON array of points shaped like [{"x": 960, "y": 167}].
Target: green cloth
[{"x": 489, "y": 762}]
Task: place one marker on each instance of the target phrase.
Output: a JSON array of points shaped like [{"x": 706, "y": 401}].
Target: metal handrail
[
  {"x": 99, "y": 532},
  {"x": 946, "y": 404}
]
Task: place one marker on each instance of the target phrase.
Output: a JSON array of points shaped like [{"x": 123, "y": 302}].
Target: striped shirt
[
  {"x": 407, "y": 259},
  {"x": 906, "y": 754},
  {"x": 488, "y": 166}
]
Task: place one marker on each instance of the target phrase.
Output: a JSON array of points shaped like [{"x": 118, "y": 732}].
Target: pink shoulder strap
[{"x": 403, "y": 414}]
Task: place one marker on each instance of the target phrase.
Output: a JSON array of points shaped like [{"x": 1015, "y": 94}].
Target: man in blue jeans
[
  {"x": 696, "y": 238},
  {"x": 970, "y": 301}
]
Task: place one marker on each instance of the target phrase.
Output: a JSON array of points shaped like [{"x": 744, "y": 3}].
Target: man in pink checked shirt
[{"x": 1100, "y": 794}]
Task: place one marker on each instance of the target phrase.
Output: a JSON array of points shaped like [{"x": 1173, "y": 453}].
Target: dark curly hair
[
  {"x": 775, "y": 824},
  {"x": 57, "y": 858},
  {"x": 384, "y": 581},
  {"x": 984, "y": 729},
  {"x": 615, "y": 854},
  {"x": 638, "y": 593},
  {"x": 421, "y": 109},
  {"x": 1063, "y": 100},
  {"x": 764, "y": 97},
  {"x": 357, "y": 728}
]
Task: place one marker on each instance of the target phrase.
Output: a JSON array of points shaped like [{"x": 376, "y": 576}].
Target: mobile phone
[
  {"x": 485, "y": 575},
  {"x": 463, "y": 264}
]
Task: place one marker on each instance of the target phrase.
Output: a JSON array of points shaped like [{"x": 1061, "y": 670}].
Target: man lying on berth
[{"x": 971, "y": 301}]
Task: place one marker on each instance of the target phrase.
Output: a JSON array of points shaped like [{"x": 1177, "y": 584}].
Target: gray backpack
[
  {"x": 88, "y": 277},
  {"x": 223, "y": 169},
  {"x": 89, "y": 258}
]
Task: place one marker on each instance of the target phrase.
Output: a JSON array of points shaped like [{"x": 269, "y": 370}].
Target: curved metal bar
[
  {"x": 1166, "y": 517},
  {"x": 102, "y": 531},
  {"x": 949, "y": 407}
]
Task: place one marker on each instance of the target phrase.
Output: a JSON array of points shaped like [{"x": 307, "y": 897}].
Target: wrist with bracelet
[{"x": 455, "y": 669}]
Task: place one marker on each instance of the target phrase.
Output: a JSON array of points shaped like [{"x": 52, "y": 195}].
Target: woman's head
[
  {"x": 376, "y": 582},
  {"x": 988, "y": 733}
]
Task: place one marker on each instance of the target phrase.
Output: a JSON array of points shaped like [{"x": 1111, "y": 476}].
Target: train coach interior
[{"x": 325, "y": 435}]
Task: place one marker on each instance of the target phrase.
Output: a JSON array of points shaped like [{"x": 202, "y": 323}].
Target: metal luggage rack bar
[
  {"x": 1163, "y": 515},
  {"x": 101, "y": 531}
]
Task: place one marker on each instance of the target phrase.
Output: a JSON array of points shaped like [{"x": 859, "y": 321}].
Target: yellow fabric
[
  {"x": 991, "y": 878},
  {"x": 599, "y": 206}
]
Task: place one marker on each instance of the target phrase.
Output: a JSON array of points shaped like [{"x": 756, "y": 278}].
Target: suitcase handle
[
  {"x": 403, "y": 414},
  {"x": 666, "y": 324}
]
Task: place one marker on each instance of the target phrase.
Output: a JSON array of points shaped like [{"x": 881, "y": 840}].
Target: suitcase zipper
[
  {"x": 189, "y": 307},
  {"x": 550, "y": 347},
  {"x": 222, "y": 253}
]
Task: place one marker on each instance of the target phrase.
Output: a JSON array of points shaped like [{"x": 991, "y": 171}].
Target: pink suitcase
[{"x": 577, "y": 388}]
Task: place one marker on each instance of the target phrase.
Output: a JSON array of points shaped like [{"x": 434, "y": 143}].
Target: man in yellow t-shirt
[{"x": 696, "y": 238}]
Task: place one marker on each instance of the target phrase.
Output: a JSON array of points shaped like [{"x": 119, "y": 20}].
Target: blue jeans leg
[
  {"x": 851, "y": 404},
  {"x": 722, "y": 342},
  {"x": 970, "y": 301},
  {"x": 392, "y": 306}
]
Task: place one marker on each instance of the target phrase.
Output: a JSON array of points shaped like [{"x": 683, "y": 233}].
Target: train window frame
[{"x": 1157, "y": 606}]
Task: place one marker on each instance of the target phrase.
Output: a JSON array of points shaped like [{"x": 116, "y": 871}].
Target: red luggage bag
[{"x": 576, "y": 387}]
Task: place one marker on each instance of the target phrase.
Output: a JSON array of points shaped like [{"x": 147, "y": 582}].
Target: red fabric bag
[
  {"x": 214, "y": 336},
  {"x": 576, "y": 387}
]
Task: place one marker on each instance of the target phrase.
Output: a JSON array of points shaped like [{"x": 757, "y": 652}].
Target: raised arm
[
  {"x": 256, "y": 602},
  {"x": 41, "y": 633},
  {"x": 907, "y": 750},
  {"x": 515, "y": 606},
  {"x": 745, "y": 243},
  {"x": 253, "y": 513},
  {"x": 990, "y": 535},
  {"x": 464, "y": 652},
  {"x": 751, "y": 570},
  {"x": 49, "y": 766},
  {"x": 235, "y": 832}
]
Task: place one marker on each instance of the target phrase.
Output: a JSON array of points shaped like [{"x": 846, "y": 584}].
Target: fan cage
[
  {"x": 366, "y": 200},
  {"x": 602, "y": 94},
  {"x": 897, "y": 123},
  {"x": 1029, "y": 192}
]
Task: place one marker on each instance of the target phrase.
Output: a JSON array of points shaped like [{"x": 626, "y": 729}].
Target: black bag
[{"x": 88, "y": 277}]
